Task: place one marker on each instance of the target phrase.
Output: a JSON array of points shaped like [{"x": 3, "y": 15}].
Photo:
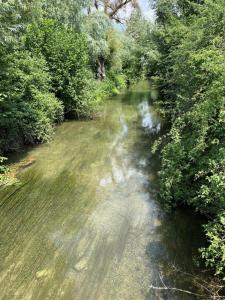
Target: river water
[{"x": 83, "y": 222}]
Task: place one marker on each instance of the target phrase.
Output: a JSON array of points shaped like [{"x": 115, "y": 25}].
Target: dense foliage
[
  {"x": 191, "y": 75},
  {"x": 140, "y": 53},
  {"x": 28, "y": 109},
  {"x": 50, "y": 56},
  {"x": 66, "y": 55},
  {"x": 3, "y": 170}
]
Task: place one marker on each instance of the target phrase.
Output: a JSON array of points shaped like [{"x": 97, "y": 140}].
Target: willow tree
[
  {"x": 103, "y": 13},
  {"x": 68, "y": 12},
  {"x": 15, "y": 15},
  {"x": 113, "y": 8}
]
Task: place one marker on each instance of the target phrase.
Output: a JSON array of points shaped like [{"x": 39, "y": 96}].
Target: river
[{"x": 83, "y": 222}]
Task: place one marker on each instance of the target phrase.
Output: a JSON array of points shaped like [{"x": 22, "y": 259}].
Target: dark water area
[{"x": 83, "y": 220}]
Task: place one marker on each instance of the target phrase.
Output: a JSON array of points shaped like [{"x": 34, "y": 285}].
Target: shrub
[
  {"x": 28, "y": 109},
  {"x": 215, "y": 253},
  {"x": 192, "y": 81},
  {"x": 66, "y": 55},
  {"x": 3, "y": 170}
]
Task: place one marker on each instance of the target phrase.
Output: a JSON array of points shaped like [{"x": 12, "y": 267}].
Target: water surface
[{"x": 82, "y": 222}]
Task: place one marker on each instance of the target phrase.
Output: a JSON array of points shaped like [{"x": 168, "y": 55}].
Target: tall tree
[
  {"x": 113, "y": 10},
  {"x": 140, "y": 53},
  {"x": 15, "y": 15},
  {"x": 69, "y": 12}
]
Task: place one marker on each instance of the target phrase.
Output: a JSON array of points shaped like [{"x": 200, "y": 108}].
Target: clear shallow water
[{"x": 83, "y": 221}]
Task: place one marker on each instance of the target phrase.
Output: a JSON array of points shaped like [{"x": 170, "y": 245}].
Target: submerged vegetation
[{"x": 61, "y": 59}]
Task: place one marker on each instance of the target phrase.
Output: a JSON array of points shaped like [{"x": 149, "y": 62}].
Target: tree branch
[
  {"x": 175, "y": 289},
  {"x": 118, "y": 6},
  {"x": 96, "y": 4},
  {"x": 212, "y": 293}
]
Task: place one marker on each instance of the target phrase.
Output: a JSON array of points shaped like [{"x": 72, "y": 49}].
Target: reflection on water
[
  {"x": 149, "y": 122},
  {"x": 124, "y": 126},
  {"x": 83, "y": 221}
]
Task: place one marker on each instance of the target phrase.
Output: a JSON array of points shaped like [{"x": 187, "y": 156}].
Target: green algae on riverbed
[{"x": 83, "y": 222}]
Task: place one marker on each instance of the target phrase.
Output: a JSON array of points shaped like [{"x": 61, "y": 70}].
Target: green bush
[
  {"x": 192, "y": 82},
  {"x": 66, "y": 55},
  {"x": 118, "y": 80},
  {"x": 215, "y": 253},
  {"x": 3, "y": 169},
  {"x": 28, "y": 110}
]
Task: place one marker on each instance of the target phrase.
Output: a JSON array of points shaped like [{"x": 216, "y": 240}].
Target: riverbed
[{"x": 83, "y": 220}]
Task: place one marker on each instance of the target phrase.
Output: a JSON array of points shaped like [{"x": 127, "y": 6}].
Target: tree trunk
[{"x": 101, "y": 69}]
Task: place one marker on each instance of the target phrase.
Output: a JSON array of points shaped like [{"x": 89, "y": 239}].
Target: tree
[
  {"x": 192, "y": 80},
  {"x": 66, "y": 54},
  {"x": 15, "y": 15},
  {"x": 99, "y": 23},
  {"x": 97, "y": 26},
  {"x": 68, "y": 12},
  {"x": 28, "y": 110},
  {"x": 113, "y": 8},
  {"x": 140, "y": 53}
]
